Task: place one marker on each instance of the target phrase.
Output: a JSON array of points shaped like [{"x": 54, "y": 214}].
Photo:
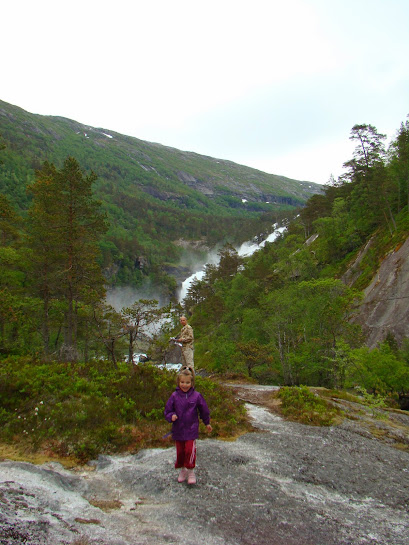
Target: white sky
[{"x": 275, "y": 85}]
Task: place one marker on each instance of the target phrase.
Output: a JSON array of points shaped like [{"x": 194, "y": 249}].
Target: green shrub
[
  {"x": 267, "y": 374},
  {"x": 373, "y": 401},
  {"x": 300, "y": 404},
  {"x": 82, "y": 410}
]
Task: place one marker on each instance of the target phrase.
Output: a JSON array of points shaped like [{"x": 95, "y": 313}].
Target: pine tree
[
  {"x": 11, "y": 275},
  {"x": 373, "y": 191},
  {"x": 66, "y": 223},
  {"x": 399, "y": 165},
  {"x": 9, "y": 221}
]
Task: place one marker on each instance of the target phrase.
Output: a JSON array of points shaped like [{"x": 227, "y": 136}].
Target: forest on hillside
[
  {"x": 157, "y": 200},
  {"x": 283, "y": 316}
]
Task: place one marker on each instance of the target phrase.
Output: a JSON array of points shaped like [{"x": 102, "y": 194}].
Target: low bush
[
  {"x": 298, "y": 403},
  {"x": 82, "y": 410}
]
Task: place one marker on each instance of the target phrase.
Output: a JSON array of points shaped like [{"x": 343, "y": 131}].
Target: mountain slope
[{"x": 154, "y": 196}]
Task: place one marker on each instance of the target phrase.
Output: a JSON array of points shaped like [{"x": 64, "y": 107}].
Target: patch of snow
[{"x": 107, "y": 135}]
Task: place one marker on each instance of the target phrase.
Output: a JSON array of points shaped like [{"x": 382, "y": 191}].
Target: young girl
[{"x": 183, "y": 409}]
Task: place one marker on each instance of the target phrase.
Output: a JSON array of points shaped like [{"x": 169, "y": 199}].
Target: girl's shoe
[
  {"x": 182, "y": 475},
  {"x": 191, "y": 478}
]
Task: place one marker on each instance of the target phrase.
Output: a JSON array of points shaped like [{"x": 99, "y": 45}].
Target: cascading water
[{"x": 245, "y": 250}]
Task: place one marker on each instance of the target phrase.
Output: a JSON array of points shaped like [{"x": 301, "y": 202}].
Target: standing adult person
[{"x": 185, "y": 338}]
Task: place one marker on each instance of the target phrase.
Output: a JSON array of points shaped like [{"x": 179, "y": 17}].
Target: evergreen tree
[
  {"x": 372, "y": 191},
  {"x": 12, "y": 276},
  {"x": 370, "y": 149},
  {"x": 399, "y": 165},
  {"x": 9, "y": 221},
  {"x": 66, "y": 223},
  {"x": 2, "y": 147}
]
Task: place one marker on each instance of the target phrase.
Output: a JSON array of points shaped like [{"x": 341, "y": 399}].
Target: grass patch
[
  {"x": 401, "y": 446},
  {"x": 21, "y": 452},
  {"x": 299, "y": 404},
  {"x": 338, "y": 394}
]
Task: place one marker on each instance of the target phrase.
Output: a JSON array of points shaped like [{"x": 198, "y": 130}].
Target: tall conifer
[{"x": 66, "y": 223}]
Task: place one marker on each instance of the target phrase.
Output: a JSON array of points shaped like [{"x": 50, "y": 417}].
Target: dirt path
[{"x": 283, "y": 484}]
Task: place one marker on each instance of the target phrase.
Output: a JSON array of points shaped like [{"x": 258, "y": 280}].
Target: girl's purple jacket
[{"x": 188, "y": 407}]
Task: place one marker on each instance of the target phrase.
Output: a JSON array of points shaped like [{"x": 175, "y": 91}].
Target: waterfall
[{"x": 245, "y": 250}]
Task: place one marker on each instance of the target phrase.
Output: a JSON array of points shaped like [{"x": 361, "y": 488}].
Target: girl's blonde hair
[{"x": 186, "y": 372}]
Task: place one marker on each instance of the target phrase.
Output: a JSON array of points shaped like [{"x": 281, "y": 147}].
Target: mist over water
[
  {"x": 120, "y": 297},
  {"x": 245, "y": 250}
]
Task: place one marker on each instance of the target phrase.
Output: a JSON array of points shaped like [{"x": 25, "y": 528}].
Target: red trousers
[{"x": 186, "y": 454}]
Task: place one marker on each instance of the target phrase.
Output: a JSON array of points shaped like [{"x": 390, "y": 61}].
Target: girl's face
[{"x": 185, "y": 383}]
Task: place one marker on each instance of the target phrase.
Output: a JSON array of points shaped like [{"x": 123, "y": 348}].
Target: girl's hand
[
  {"x": 209, "y": 428},
  {"x": 174, "y": 417}
]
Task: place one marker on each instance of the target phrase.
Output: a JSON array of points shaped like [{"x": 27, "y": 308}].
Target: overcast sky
[{"x": 275, "y": 85}]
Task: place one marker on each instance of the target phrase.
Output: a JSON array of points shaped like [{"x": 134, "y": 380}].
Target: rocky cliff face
[{"x": 385, "y": 306}]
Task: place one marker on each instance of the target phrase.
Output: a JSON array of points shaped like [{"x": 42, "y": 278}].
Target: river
[{"x": 245, "y": 250}]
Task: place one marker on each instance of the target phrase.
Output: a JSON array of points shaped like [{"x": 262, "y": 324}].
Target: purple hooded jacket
[{"x": 187, "y": 406}]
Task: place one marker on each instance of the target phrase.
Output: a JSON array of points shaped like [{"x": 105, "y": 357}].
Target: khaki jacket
[{"x": 186, "y": 336}]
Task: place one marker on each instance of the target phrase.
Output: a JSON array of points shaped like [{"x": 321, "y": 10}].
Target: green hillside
[
  {"x": 286, "y": 314},
  {"x": 283, "y": 316},
  {"x": 157, "y": 199}
]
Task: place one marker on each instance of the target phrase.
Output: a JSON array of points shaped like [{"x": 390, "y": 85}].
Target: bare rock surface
[
  {"x": 384, "y": 308},
  {"x": 285, "y": 483}
]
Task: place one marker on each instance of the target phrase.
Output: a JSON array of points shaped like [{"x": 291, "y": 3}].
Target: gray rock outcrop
[
  {"x": 284, "y": 484},
  {"x": 385, "y": 306}
]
